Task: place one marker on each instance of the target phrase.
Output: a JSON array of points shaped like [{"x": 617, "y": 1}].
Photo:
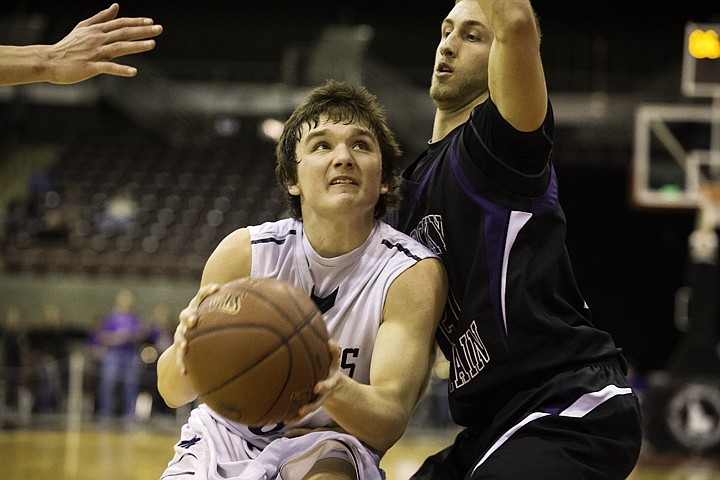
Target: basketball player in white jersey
[{"x": 381, "y": 294}]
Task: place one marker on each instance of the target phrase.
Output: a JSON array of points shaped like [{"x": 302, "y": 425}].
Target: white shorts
[{"x": 209, "y": 450}]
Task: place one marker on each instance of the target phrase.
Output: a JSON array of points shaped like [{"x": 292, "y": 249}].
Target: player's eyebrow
[
  {"x": 356, "y": 131},
  {"x": 362, "y": 131},
  {"x": 468, "y": 23},
  {"x": 314, "y": 133}
]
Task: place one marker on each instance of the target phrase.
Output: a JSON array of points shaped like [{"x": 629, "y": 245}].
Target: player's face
[
  {"x": 339, "y": 169},
  {"x": 460, "y": 75}
]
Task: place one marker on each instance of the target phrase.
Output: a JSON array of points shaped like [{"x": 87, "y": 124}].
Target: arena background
[{"x": 191, "y": 125}]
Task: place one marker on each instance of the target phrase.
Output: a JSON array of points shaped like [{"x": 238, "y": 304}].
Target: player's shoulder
[
  {"x": 424, "y": 281},
  {"x": 230, "y": 259},
  {"x": 275, "y": 231},
  {"x": 402, "y": 243}
]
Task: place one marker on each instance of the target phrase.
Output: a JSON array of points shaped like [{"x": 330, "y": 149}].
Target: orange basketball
[{"x": 257, "y": 351}]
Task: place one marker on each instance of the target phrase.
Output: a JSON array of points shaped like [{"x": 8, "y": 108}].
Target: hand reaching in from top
[{"x": 87, "y": 51}]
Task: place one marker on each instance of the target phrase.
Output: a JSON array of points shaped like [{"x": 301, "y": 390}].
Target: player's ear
[
  {"x": 383, "y": 189},
  {"x": 293, "y": 189}
]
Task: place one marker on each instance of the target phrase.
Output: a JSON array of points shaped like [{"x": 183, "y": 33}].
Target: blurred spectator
[
  {"x": 53, "y": 230},
  {"x": 50, "y": 343},
  {"x": 37, "y": 214},
  {"x": 120, "y": 212},
  {"x": 161, "y": 329},
  {"x": 40, "y": 184},
  {"x": 119, "y": 337},
  {"x": 72, "y": 203},
  {"x": 18, "y": 215},
  {"x": 158, "y": 338},
  {"x": 13, "y": 357}
]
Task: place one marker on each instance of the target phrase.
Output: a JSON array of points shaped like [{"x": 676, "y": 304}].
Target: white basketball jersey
[{"x": 349, "y": 289}]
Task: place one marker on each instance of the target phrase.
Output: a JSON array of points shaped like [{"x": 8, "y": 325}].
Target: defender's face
[
  {"x": 461, "y": 59},
  {"x": 339, "y": 169}
]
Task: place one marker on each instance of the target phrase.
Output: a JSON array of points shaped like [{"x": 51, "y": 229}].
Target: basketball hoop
[
  {"x": 709, "y": 205},
  {"x": 674, "y": 155},
  {"x": 703, "y": 242}
]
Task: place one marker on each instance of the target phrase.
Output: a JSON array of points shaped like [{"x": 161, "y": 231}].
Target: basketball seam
[
  {"x": 307, "y": 317},
  {"x": 283, "y": 342}
]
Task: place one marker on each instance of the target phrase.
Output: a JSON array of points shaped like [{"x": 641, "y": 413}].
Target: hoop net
[{"x": 709, "y": 207}]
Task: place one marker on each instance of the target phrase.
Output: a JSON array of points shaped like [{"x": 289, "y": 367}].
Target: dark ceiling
[{"x": 405, "y": 34}]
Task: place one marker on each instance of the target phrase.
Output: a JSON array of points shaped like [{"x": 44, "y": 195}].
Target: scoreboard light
[{"x": 701, "y": 60}]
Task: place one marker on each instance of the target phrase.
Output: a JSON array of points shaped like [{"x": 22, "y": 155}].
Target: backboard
[
  {"x": 677, "y": 146},
  {"x": 672, "y": 156}
]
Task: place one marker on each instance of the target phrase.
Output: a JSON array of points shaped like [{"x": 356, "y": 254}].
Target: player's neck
[
  {"x": 447, "y": 118},
  {"x": 337, "y": 238}
]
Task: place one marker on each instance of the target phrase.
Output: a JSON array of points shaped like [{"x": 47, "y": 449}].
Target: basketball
[{"x": 257, "y": 350}]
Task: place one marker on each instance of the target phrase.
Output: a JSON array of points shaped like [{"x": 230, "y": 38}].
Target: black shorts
[{"x": 584, "y": 424}]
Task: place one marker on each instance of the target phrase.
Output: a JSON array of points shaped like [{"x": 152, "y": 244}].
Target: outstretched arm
[
  {"x": 516, "y": 78},
  {"x": 87, "y": 51}
]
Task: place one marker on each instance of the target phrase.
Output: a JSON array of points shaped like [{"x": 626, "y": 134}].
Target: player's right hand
[
  {"x": 188, "y": 320},
  {"x": 323, "y": 388}
]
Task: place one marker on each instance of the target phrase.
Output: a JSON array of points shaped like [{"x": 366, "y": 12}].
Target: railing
[{"x": 70, "y": 381}]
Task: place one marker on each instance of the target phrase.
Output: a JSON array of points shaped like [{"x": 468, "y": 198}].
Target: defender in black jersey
[{"x": 542, "y": 392}]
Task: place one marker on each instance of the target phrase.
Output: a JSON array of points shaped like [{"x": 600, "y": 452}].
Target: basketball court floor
[{"x": 91, "y": 453}]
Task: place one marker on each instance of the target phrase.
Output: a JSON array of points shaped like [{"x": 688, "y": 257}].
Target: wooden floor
[{"x": 92, "y": 453}]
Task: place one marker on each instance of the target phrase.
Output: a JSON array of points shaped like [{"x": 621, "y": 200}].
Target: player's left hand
[{"x": 188, "y": 320}]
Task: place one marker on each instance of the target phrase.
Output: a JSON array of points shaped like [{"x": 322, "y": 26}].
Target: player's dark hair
[{"x": 340, "y": 102}]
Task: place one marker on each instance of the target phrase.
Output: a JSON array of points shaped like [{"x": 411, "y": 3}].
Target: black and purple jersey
[{"x": 485, "y": 199}]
